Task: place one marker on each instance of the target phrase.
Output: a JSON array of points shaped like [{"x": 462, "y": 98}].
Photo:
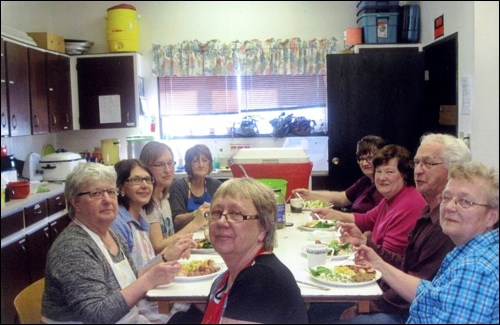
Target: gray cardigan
[{"x": 79, "y": 282}]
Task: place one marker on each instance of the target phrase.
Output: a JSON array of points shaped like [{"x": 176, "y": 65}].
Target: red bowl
[{"x": 19, "y": 190}]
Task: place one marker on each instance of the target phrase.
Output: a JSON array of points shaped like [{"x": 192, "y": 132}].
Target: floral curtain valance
[{"x": 270, "y": 57}]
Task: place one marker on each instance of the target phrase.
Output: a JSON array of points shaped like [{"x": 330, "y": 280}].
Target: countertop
[{"x": 16, "y": 205}]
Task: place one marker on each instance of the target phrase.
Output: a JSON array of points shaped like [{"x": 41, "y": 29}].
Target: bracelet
[{"x": 164, "y": 258}]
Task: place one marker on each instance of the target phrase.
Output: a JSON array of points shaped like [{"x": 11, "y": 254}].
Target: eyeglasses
[
  {"x": 137, "y": 180},
  {"x": 426, "y": 164},
  {"x": 97, "y": 195},
  {"x": 161, "y": 164},
  {"x": 463, "y": 203},
  {"x": 200, "y": 162},
  {"x": 231, "y": 217},
  {"x": 368, "y": 159}
]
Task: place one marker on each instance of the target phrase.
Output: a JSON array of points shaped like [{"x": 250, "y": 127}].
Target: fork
[{"x": 318, "y": 217}]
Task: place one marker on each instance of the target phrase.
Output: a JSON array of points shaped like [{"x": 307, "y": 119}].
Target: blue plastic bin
[{"x": 379, "y": 28}]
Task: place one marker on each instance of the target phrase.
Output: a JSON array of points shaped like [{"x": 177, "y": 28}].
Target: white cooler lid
[{"x": 270, "y": 155}]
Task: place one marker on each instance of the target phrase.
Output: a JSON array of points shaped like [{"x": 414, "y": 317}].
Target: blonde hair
[{"x": 262, "y": 198}]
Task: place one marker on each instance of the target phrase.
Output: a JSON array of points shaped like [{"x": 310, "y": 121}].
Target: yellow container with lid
[{"x": 122, "y": 28}]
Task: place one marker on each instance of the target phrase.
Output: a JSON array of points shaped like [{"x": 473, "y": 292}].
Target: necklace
[{"x": 191, "y": 189}]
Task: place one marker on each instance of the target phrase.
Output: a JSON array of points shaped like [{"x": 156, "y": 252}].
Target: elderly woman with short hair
[
  {"x": 465, "y": 289},
  {"x": 90, "y": 276}
]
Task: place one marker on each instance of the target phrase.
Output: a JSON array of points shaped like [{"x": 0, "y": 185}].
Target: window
[{"x": 212, "y": 105}]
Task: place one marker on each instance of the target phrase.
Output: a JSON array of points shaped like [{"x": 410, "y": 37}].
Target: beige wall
[{"x": 166, "y": 22}]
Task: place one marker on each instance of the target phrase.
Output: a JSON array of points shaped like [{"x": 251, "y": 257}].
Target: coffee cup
[
  {"x": 317, "y": 254},
  {"x": 296, "y": 205}
]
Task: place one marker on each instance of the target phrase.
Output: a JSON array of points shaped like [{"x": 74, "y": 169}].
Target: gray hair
[
  {"x": 83, "y": 174},
  {"x": 262, "y": 198},
  {"x": 477, "y": 171},
  {"x": 455, "y": 151}
]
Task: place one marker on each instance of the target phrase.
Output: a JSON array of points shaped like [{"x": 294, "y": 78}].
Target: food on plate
[
  {"x": 344, "y": 273},
  {"x": 338, "y": 248},
  {"x": 315, "y": 204},
  {"x": 203, "y": 244},
  {"x": 198, "y": 268},
  {"x": 320, "y": 224}
]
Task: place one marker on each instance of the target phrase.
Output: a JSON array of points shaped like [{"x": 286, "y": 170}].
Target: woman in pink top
[{"x": 387, "y": 225}]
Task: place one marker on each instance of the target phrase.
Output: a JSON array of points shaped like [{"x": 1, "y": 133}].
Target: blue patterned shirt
[{"x": 465, "y": 289}]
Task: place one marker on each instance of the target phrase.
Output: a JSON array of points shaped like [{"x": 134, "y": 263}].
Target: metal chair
[{"x": 28, "y": 303}]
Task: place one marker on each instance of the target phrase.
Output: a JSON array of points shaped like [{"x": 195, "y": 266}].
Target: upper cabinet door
[
  {"x": 107, "y": 91},
  {"x": 378, "y": 93},
  {"x": 38, "y": 91},
  {"x": 59, "y": 93},
  {"x": 4, "y": 122},
  {"x": 16, "y": 59}
]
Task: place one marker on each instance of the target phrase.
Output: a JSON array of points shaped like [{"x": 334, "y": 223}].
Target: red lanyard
[{"x": 217, "y": 303}]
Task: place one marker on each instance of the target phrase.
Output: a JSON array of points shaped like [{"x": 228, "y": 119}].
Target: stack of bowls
[{"x": 77, "y": 47}]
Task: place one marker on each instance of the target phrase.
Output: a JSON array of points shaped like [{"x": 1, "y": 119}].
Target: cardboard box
[{"x": 49, "y": 41}]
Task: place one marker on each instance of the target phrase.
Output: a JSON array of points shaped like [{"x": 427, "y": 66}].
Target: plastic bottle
[{"x": 280, "y": 209}]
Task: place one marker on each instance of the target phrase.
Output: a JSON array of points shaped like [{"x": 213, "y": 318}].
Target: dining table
[{"x": 290, "y": 249}]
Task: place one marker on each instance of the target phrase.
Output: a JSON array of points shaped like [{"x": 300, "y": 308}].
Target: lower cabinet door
[{"x": 15, "y": 277}]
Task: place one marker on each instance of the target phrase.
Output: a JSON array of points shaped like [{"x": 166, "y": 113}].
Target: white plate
[
  {"x": 203, "y": 251},
  {"x": 378, "y": 275},
  {"x": 200, "y": 277},
  {"x": 333, "y": 258},
  {"x": 310, "y": 209},
  {"x": 332, "y": 228}
]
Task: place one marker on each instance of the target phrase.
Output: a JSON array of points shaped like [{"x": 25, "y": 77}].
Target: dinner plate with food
[
  {"x": 315, "y": 204},
  {"x": 312, "y": 225},
  {"x": 196, "y": 270},
  {"x": 338, "y": 250},
  {"x": 203, "y": 246},
  {"x": 345, "y": 275}
]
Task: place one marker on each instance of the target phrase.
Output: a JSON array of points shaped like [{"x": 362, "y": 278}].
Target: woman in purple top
[{"x": 361, "y": 196}]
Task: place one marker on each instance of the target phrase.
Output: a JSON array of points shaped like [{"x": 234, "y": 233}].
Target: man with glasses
[
  {"x": 427, "y": 244},
  {"x": 465, "y": 288},
  {"x": 362, "y": 196}
]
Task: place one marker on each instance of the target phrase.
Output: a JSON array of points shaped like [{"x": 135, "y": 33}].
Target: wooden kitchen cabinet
[
  {"x": 15, "y": 276},
  {"x": 38, "y": 91},
  {"x": 17, "y": 80},
  {"x": 4, "y": 120},
  {"x": 12, "y": 223},
  {"x": 38, "y": 245},
  {"x": 59, "y": 92},
  {"x": 34, "y": 213},
  {"x": 108, "y": 90}
]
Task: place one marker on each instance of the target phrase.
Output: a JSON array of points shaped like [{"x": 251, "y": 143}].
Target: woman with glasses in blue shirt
[{"x": 465, "y": 289}]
